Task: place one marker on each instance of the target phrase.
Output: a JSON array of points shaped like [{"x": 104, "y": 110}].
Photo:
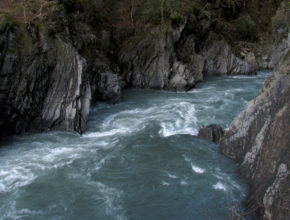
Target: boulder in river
[{"x": 211, "y": 132}]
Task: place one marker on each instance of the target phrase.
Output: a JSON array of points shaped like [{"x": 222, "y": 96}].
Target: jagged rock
[
  {"x": 189, "y": 70},
  {"x": 182, "y": 77},
  {"x": 219, "y": 60},
  {"x": 280, "y": 51},
  {"x": 146, "y": 63},
  {"x": 106, "y": 83},
  {"x": 271, "y": 54},
  {"x": 44, "y": 84},
  {"x": 259, "y": 139},
  {"x": 265, "y": 61},
  {"x": 280, "y": 27},
  {"x": 67, "y": 101},
  {"x": 211, "y": 132},
  {"x": 109, "y": 86},
  {"x": 178, "y": 83},
  {"x": 251, "y": 59}
]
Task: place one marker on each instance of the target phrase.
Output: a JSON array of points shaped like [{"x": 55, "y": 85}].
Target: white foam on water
[
  {"x": 105, "y": 133},
  {"x": 197, "y": 169},
  {"x": 183, "y": 183},
  {"x": 9, "y": 211},
  {"x": 22, "y": 167},
  {"x": 179, "y": 119},
  {"x": 220, "y": 186},
  {"x": 186, "y": 159},
  {"x": 102, "y": 162},
  {"x": 242, "y": 77},
  {"x": 165, "y": 183},
  {"x": 172, "y": 176},
  {"x": 226, "y": 178},
  {"x": 174, "y": 117},
  {"x": 202, "y": 90},
  {"x": 16, "y": 177},
  {"x": 112, "y": 198}
]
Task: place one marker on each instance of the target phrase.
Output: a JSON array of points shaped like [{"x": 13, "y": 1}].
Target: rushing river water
[{"x": 137, "y": 161}]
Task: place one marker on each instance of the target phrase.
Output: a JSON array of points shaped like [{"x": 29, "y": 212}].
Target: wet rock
[
  {"x": 184, "y": 76},
  {"x": 259, "y": 139},
  {"x": 211, "y": 132},
  {"x": 178, "y": 83},
  {"x": 219, "y": 59}
]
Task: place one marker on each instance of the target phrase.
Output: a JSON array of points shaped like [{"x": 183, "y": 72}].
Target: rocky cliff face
[
  {"x": 170, "y": 60},
  {"x": 220, "y": 60},
  {"x": 259, "y": 139},
  {"x": 44, "y": 83},
  {"x": 270, "y": 53},
  {"x": 48, "y": 80},
  {"x": 52, "y": 68}
]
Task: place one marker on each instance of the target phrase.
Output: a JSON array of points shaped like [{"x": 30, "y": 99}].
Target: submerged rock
[
  {"x": 211, "y": 132},
  {"x": 259, "y": 139}
]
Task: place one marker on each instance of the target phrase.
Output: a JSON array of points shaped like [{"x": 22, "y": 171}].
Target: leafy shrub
[{"x": 247, "y": 28}]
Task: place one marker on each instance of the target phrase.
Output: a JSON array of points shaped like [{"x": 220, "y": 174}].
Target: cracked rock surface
[{"x": 259, "y": 139}]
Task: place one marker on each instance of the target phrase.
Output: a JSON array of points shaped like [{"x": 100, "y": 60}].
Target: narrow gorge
[{"x": 107, "y": 98}]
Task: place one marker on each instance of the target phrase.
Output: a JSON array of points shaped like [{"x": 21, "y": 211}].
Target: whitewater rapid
[{"x": 138, "y": 160}]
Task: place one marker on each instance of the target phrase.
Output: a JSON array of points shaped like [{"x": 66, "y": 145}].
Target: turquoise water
[{"x": 138, "y": 159}]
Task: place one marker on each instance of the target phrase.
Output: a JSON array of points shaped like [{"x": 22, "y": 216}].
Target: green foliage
[
  {"x": 173, "y": 12},
  {"x": 247, "y": 28},
  {"x": 6, "y": 19}
]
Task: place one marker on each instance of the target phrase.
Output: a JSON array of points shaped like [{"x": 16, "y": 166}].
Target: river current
[{"x": 138, "y": 159}]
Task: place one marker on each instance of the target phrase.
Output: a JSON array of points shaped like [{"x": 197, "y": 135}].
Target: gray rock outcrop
[
  {"x": 219, "y": 59},
  {"x": 211, "y": 132},
  {"x": 270, "y": 53},
  {"x": 148, "y": 62},
  {"x": 281, "y": 32},
  {"x": 251, "y": 59},
  {"x": 169, "y": 60},
  {"x": 44, "y": 84},
  {"x": 259, "y": 139}
]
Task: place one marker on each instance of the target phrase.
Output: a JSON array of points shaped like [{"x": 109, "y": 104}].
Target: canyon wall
[
  {"x": 53, "y": 66},
  {"x": 259, "y": 139}
]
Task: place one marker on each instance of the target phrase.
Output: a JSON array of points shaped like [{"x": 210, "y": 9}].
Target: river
[{"x": 138, "y": 159}]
